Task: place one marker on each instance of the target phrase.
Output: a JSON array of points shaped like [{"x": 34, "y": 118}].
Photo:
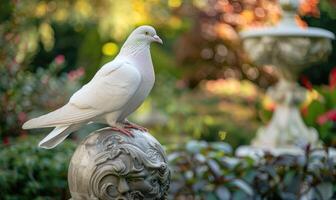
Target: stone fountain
[{"x": 289, "y": 49}]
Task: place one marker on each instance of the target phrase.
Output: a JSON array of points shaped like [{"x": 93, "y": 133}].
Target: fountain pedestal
[
  {"x": 289, "y": 49},
  {"x": 286, "y": 129}
]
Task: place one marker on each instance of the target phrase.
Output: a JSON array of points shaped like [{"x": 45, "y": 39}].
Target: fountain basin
[
  {"x": 285, "y": 31},
  {"x": 289, "y": 53}
]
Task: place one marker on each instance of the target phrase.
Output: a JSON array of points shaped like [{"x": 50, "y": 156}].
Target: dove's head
[
  {"x": 139, "y": 39},
  {"x": 145, "y": 34}
]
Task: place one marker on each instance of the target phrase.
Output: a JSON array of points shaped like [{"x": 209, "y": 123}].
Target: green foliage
[
  {"x": 22, "y": 92},
  {"x": 29, "y": 172},
  {"x": 314, "y": 109},
  {"x": 328, "y": 7},
  {"x": 319, "y": 109},
  {"x": 204, "y": 170},
  {"x": 195, "y": 114},
  {"x": 200, "y": 170}
]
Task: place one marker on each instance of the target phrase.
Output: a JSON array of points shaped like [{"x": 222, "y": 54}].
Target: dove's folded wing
[
  {"x": 107, "y": 92},
  {"x": 110, "y": 91},
  {"x": 109, "y": 67}
]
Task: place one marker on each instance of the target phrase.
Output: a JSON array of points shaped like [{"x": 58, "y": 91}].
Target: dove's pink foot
[
  {"x": 130, "y": 125},
  {"x": 123, "y": 130}
]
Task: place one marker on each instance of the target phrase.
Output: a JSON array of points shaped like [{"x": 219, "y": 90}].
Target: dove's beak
[{"x": 156, "y": 38}]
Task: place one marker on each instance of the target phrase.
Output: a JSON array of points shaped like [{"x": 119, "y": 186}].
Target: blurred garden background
[{"x": 208, "y": 96}]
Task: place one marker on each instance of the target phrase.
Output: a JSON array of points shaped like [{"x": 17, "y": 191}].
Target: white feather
[{"x": 57, "y": 136}]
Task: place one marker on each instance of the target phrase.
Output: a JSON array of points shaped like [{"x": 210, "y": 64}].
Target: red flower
[
  {"x": 306, "y": 83},
  {"x": 22, "y": 117},
  {"x": 304, "y": 111},
  {"x": 76, "y": 74},
  {"x": 328, "y": 116},
  {"x": 5, "y": 140},
  {"x": 332, "y": 78},
  {"x": 59, "y": 59}
]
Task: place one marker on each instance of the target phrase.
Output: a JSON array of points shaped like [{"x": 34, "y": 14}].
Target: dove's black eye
[{"x": 146, "y": 33}]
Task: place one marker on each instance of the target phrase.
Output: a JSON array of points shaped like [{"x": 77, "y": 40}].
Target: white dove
[{"x": 115, "y": 92}]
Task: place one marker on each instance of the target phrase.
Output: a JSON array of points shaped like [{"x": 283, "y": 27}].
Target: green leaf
[
  {"x": 214, "y": 167},
  {"x": 221, "y": 146},
  {"x": 194, "y": 146},
  {"x": 223, "y": 193},
  {"x": 325, "y": 190},
  {"x": 315, "y": 109},
  {"x": 242, "y": 185}
]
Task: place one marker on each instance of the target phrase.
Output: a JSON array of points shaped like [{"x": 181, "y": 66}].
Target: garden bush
[
  {"x": 25, "y": 94},
  {"x": 200, "y": 170},
  {"x": 210, "y": 171},
  {"x": 29, "y": 172}
]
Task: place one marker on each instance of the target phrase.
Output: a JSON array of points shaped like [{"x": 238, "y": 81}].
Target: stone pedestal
[
  {"x": 286, "y": 129},
  {"x": 109, "y": 165}
]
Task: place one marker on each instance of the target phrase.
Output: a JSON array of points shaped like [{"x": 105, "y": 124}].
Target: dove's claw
[
  {"x": 130, "y": 125},
  {"x": 123, "y": 130}
]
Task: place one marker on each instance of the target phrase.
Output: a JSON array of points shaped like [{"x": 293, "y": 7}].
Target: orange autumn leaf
[
  {"x": 309, "y": 7},
  {"x": 300, "y": 22}
]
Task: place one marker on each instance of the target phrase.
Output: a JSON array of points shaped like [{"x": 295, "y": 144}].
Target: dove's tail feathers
[
  {"x": 66, "y": 115},
  {"x": 57, "y": 136}
]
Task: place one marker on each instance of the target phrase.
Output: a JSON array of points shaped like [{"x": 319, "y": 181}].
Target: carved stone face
[
  {"x": 108, "y": 165},
  {"x": 129, "y": 183}
]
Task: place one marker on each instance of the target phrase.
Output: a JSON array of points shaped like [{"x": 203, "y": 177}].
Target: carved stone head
[{"x": 109, "y": 165}]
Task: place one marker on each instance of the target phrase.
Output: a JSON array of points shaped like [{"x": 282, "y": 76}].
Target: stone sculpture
[{"x": 109, "y": 165}]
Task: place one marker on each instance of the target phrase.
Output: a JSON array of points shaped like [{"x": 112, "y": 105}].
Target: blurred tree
[{"x": 211, "y": 48}]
